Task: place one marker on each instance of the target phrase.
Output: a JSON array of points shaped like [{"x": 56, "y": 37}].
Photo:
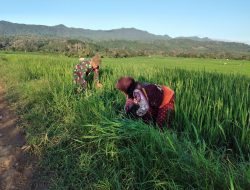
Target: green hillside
[
  {"x": 124, "y": 42},
  {"x": 10, "y": 29}
]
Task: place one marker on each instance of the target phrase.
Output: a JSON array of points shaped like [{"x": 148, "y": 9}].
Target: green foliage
[
  {"x": 88, "y": 143},
  {"x": 118, "y": 43},
  {"x": 68, "y": 47},
  {"x": 122, "y": 48}
]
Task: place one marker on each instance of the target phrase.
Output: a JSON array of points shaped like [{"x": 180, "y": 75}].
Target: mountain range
[
  {"x": 126, "y": 39},
  {"x": 131, "y": 34}
]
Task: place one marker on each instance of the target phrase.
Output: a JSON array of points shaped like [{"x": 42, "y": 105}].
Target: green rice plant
[{"x": 88, "y": 143}]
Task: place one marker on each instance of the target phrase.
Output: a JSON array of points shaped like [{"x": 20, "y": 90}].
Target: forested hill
[
  {"x": 123, "y": 42},
  {"x": 132, "y": 34}
]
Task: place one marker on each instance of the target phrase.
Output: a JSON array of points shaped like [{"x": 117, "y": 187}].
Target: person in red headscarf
[{"x": 151, "y": 102}]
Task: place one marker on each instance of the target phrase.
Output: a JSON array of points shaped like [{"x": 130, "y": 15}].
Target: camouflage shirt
[{"x": 82, "y": 70}]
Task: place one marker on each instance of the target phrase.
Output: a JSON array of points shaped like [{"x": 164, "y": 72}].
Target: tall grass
[{"x": 85, "y": 142}]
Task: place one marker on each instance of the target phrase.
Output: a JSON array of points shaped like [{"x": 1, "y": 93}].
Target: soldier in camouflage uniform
[{"x": 84, "y": 68}]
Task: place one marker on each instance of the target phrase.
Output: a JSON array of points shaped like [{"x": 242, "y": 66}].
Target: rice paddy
[{"x": 86, "y": 142}]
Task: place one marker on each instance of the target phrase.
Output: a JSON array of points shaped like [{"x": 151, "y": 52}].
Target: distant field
[
  {"x": 86, "y": 142},
  {"x": 210, "y": 65},
  {"x": 196, "y": 64}
]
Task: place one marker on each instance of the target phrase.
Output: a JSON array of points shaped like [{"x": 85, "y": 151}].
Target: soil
[{"x": 17, "y": 166}]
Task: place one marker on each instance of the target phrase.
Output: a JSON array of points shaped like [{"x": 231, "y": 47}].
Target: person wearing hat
[
  {"x": 151, "y": 102},
  {"x": 84, "y": 69}
]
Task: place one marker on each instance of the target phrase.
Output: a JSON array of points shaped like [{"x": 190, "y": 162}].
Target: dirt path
[{"x": 15, "y": 166}]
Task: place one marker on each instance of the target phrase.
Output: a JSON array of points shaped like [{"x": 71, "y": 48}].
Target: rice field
[{"x": 86, "y": 142}]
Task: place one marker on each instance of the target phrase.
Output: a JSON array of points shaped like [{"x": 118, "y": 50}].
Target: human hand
[{"x": 99, "y": 85}]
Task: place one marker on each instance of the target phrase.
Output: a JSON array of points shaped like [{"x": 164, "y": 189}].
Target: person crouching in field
[
  {"x": 152, "y": 103},
  {"x": 84, "y": 69}
]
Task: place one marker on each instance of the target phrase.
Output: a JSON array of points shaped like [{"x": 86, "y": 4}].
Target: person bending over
[
  {"x": 151, "y": 102},
  {"x": 84, "y": 69}
]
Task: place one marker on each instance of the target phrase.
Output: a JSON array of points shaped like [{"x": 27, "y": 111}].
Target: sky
[{"x": 217, "y": 19}]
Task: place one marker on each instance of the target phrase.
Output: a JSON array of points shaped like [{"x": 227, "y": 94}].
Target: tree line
[{"x": 115, "y": 49}]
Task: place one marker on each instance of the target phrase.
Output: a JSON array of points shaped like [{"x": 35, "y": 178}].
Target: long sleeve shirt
[
  {"x": 153, "y": 101},
  {"x": 82, "y": 70}
]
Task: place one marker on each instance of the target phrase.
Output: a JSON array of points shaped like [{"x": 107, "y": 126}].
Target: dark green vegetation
[
  {"x": 13, "y": 29},
  {"x": 114, "y": 43},
  {"x": 85, "y": 142}
]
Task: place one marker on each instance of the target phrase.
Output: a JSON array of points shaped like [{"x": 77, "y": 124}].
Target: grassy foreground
[{"x": 85, "y": 142}]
